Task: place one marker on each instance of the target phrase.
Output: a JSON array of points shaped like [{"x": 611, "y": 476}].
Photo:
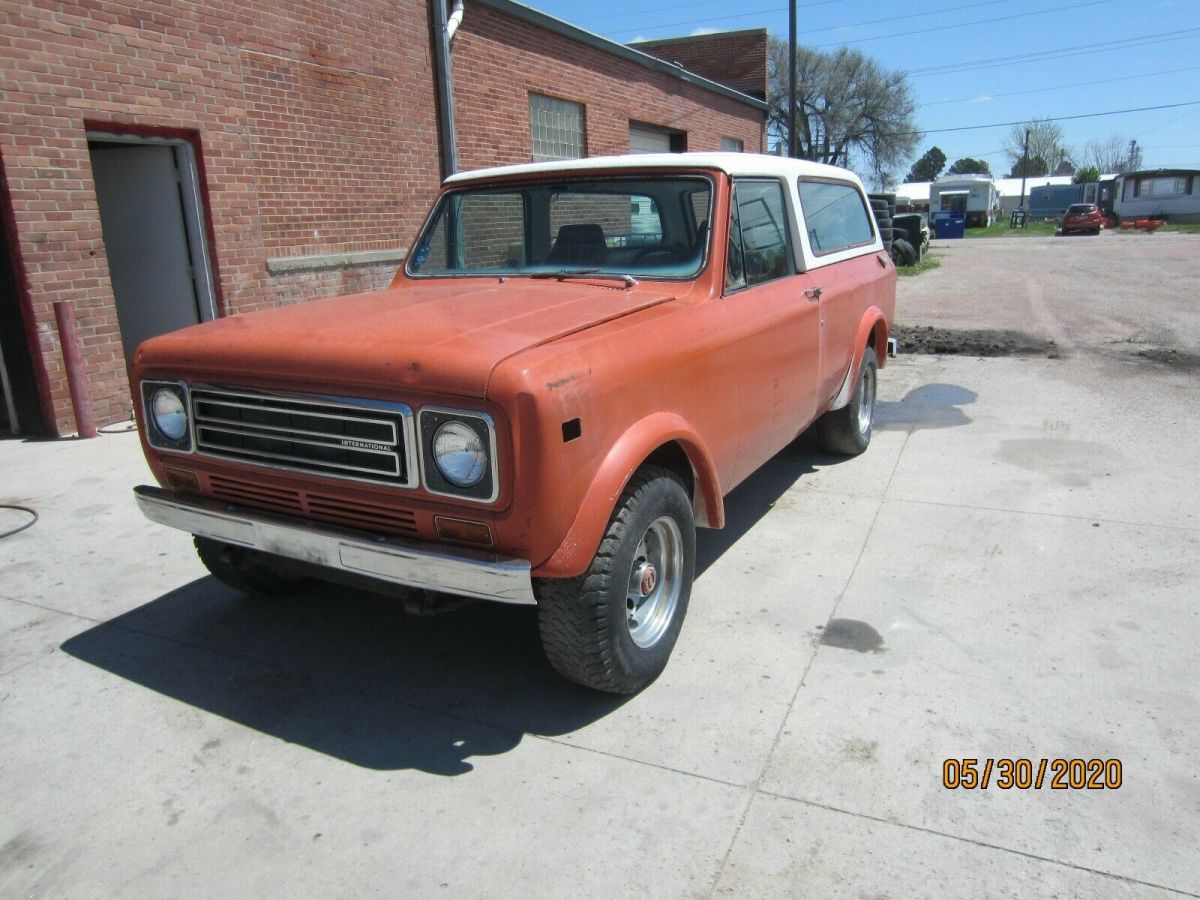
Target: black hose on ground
[{"x": 19, "y": 528}]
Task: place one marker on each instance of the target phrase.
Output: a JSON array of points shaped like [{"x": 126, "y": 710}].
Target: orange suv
[{"x": 575, "y": 366}]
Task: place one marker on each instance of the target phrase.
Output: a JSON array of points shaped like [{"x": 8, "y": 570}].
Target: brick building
[
  {"x": 168, "y": 162},
  {"x": 734, "y": 58}
]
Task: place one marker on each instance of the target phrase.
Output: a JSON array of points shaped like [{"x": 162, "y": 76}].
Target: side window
[
  {"x": 835, "y": 216},
  {"x": 758, "y": 235}
]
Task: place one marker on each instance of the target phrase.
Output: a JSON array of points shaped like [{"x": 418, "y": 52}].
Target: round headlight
[
  {"x": 459, "y": 454},
  {"x": 169, "y": 415}
]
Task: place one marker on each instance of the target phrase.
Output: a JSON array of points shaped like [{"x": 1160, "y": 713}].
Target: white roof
[
  {"x": 913, "y": 191},
  {"x": 1006, "y": 187},
  {"x": 743, "y": 164},
  {"x": 970, "y": 178},
  {"x": 1011, "y": 187}
]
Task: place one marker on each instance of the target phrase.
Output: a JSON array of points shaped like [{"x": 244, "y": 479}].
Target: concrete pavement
[{"x": 1009, "y": 571}]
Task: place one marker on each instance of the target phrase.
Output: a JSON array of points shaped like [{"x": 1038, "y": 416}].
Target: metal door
[{"x": 158, "y": 278}]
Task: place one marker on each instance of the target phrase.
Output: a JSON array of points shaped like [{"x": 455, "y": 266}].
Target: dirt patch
[
  {"x": 972, "y": 342},
  {"x": 1170, "y": 358}
]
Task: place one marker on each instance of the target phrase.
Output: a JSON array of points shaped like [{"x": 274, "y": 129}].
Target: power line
[
  {"x": 807, "y": 31},
  {"x": 659, "y": 9},
  {"x": 745, "y": 15},
  {"x": 1114, "y": 112},
  {"x": 1171, "y": 121},
  {"x": 1042, "y": 55},
  {"x": 900, "y": 34},
  {"x": 1059, "y": 87}
]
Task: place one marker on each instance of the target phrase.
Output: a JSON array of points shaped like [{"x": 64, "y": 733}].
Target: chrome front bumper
[{"x": 471, "y": 574}]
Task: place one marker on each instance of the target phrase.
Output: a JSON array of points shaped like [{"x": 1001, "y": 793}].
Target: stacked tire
[
  {"x": 901, "y": 251},
  {"x": 884, "y": 208},
  {"x": 906, "y": 228}
]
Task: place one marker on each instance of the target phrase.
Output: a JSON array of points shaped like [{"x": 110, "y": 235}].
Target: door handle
[{"x": 813, "y": 293}]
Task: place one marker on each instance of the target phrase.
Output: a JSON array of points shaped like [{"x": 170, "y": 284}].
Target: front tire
[
  {"x": 246, "y": 570},
  {"x": 613, "y": 628},
  {"x": 847, "y": 431}
]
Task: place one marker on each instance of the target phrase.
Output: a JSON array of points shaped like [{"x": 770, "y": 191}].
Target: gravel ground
[
  {"x": 972, "y": 342},
  {"x": 1124, "y": 296}
]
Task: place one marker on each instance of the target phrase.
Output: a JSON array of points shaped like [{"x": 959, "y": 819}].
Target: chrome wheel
[
  {"x": 655, "y": 581},
  {"x": 866, "y": 399}
]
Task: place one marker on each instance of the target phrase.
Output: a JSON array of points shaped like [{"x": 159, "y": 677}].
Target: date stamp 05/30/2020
[{"x": 1031, "y": 774}]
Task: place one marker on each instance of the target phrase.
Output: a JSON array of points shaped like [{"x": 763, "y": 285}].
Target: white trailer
[{"x": 975, "y": 195}]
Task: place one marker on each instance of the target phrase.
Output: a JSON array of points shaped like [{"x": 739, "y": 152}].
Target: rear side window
[
  {"x": 835, "y": 216},
  {"x": 758, "y": 236}
]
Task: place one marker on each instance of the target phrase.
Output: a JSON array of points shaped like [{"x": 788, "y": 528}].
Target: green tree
[
  {"x": 849, "y": 109},
  {"x": 969, "y": 166},
  {"x": 1037, "y": 168},
  {"x": 1086, "y": 174},
  {"x": 928, "y": 167}
]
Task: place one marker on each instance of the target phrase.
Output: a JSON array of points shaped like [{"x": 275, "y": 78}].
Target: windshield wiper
[{"x": 564, "y": 274}]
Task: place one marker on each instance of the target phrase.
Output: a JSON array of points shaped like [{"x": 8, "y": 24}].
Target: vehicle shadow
[
  {"x": 349, "y": 674},
  {"x": 925, "y": 407},
  {"x": 746, "y": 504}
]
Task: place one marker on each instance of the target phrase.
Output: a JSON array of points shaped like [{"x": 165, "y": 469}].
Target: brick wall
[
  {"x": 315, "y": 130},
  {"x": 315, "y": 124},
  {"x": 735, "y": 58},
  {"x": 499, "y": 61}
]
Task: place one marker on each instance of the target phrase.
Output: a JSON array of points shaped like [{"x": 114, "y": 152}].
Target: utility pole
[
  {"x": 1024, "y": 169},
  {"x": 791, "y": 133}
]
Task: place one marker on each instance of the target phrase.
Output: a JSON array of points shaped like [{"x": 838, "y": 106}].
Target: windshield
[{"x": 652, "y": 227}]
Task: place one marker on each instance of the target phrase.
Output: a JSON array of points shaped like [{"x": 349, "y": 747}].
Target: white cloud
[
  {"x": 702, "y": 30},
  {"x": 982, "y": 98}
]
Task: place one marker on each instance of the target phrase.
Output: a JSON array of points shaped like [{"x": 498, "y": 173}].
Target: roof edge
[
  {"x": 566, "y": 29},
  {"x": 1172, "y": 172},
  {"x": 692, "y": 37}
]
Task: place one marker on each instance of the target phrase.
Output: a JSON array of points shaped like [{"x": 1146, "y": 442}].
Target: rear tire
[
  {"x": 847, "y": 431},
  {"x": 613, "y": 628},
  {"x": 246, "y": 570},
  {"x": 903, "y": 253}
]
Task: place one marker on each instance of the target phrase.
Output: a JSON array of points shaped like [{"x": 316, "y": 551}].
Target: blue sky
[{"x": 1152, "y": 58}]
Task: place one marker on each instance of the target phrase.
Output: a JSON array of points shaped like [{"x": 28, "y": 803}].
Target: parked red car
[{"x": 1085, "y": 217}]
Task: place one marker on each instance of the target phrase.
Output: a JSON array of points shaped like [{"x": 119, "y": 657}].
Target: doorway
[
  {"x": 20, "y": 402},
  {"x": 652, "y": 139},
  {"x": 152, "y": 217}
]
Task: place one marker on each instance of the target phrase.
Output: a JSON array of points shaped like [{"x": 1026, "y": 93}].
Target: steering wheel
[{"x": 672, "y": 251}]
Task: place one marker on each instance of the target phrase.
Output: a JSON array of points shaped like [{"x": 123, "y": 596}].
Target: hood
[{"x": 445, "y": 336}]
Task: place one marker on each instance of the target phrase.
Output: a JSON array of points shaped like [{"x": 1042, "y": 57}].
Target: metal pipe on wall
[
  {"x": 447, "y": 141},
  {"x": 72, "y": 351}
]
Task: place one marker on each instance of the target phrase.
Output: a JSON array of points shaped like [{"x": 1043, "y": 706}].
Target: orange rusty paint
[{"x": 730, "y": 379}]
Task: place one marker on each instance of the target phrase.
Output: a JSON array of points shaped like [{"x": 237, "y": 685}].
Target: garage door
[{"x": 643, "y": 139}]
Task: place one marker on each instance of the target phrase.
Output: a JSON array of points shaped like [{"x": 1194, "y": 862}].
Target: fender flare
[
  {"x": 575, "y": 552},
  {"x": 872, "y": 322}
]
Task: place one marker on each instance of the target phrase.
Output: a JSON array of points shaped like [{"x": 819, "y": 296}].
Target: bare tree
[
  {"x": 1045, "y": 140},
  {"x": 1113, "y": 154},
  {"x": 850, "y": 111}
]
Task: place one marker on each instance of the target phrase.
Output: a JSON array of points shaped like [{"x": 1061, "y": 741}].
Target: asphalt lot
[{"x": 1010, "y": 571}]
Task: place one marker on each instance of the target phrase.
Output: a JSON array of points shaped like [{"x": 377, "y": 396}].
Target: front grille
[
  {"x": 317, "y": 435},
  {"x": 352, "y": 513}
]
